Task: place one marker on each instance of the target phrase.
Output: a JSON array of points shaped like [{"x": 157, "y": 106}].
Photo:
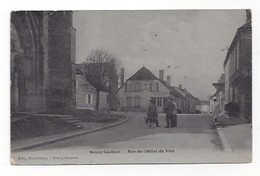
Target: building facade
[
  {"x": 204, "y": 107},
  {"x": 135, "y": 94},
  {"x": 42, "y": 61},
  {"x": 238, "y": 70}
]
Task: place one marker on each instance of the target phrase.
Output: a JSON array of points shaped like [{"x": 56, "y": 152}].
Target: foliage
[{"x": 232, "y": 108}]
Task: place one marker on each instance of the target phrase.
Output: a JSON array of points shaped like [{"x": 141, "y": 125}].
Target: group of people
[{"x": 171, "y": 114}]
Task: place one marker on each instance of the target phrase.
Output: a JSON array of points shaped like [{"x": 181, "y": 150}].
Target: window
[
  {"x": 129, "y": 87},
  {"x": 89, "y": 98},
  {"x": 129, "y": 101},
  {"x": 153, "y": 99},
  {"x": 137, "y": 102},
  {"x": 154, "y": 87},
  {"x": 159, "y": 101},
  {"x": 137, "y": 87},
  {"x": 164, "y": 101}
]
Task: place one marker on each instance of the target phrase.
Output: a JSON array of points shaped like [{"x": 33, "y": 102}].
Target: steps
[{"x": 66, "y": 118}]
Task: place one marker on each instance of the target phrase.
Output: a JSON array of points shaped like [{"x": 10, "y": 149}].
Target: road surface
[{"x": 193, "y": 140}]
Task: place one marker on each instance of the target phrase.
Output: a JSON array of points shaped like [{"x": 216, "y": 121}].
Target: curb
[
  {"x": 68, "y": 136},
  {"x": 223, "y": 139}
]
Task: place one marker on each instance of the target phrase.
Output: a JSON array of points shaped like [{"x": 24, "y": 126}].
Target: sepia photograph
[{"x": 131, "y": 87}]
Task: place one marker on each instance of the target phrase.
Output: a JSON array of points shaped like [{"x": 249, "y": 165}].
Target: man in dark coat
[
  {"x": 171, "y": 114},
  {"x": 152, "y": 113}
]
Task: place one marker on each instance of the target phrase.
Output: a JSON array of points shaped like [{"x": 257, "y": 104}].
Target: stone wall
[{"x": 42, "y": 58}]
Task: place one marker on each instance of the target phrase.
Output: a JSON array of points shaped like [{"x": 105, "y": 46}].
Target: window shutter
[
  {"x": 92, "y": 98},
  {"x": 89, "y": 98},
  {"x": 86, "y": 98},
  {"x": 157, "y": 88}
]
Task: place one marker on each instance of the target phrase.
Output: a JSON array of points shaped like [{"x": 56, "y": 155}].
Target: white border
[{"x": 205, "y": 169}]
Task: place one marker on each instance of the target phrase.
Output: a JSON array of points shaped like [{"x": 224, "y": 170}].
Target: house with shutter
[
  {"x": 111, "y": 87},
  {"x": 135, "y": 93}
]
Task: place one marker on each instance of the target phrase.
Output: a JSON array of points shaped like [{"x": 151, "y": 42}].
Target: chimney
[
  {"x": 161, "y": 74},
  {"x": 122, "y": 75},
  {"x": 180, "y": 86},
  {"x": 169, "y": 80},
  {"x": 248, "y": 15}
]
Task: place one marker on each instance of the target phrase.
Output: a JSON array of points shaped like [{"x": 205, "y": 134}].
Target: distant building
[
  {"x": 42, "y": 61},
  {"x": 219, "y": 96},
  {"x": 86, "y": 94},
  {"x": 238, "y": 70},
  {"x": 180, "y": 99},
  {"x": 136, "y": 92},
  {"x": 205, "y": 106},
  {"x": 191, "y": 101}
]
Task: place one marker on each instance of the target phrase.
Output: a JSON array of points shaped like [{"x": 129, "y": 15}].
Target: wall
[
  {"x": 84, "y": 88},
  {"x": 42, "y": 75},
  {"x": 60, "y": 94},
  {"x": 103, "y": 101},
  {"x": 27, "y": 93},
  {"x": 238, "y": 74},
  {"x": 245, "y": 85}
]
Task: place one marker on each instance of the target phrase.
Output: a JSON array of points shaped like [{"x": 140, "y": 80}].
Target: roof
[
  {"x": 177, "y": 92},
  {"x": 143, "y": 74},
  {"x": 81, "y": 67},
  {"x": 187, "y": 93},
  {"x": 246, "y": 26},
  {"x": 215, "y": 94}
]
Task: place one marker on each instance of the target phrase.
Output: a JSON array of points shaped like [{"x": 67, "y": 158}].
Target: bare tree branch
[{"x": 102, "y": 68}]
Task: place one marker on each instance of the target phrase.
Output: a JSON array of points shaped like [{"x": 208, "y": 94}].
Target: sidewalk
[
  {"x": 235, "y": 135},
  {"x": 239, "y": 137},
  {"x": 89, "y": 127}
]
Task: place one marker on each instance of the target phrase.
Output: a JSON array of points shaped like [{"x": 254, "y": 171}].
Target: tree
[{"x": 101, "y": 69}]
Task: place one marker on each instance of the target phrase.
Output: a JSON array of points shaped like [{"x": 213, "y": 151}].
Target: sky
[{"x": 189, "y": 45}]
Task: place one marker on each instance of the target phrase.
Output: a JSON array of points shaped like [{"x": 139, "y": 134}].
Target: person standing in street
[
  {"x": 174, "y": 119},
  {"x": 171, "y": 113},
  {"x": 216, "y": 111},
  {"x": 152, "y": 113}
]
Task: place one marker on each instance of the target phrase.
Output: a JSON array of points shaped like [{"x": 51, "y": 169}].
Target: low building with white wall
[{"x": 86, "y": 94}]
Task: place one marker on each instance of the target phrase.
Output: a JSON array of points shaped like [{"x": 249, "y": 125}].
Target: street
[
  {"x": 193, "y": 141},
  {"x": 193, "y": 133}
]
